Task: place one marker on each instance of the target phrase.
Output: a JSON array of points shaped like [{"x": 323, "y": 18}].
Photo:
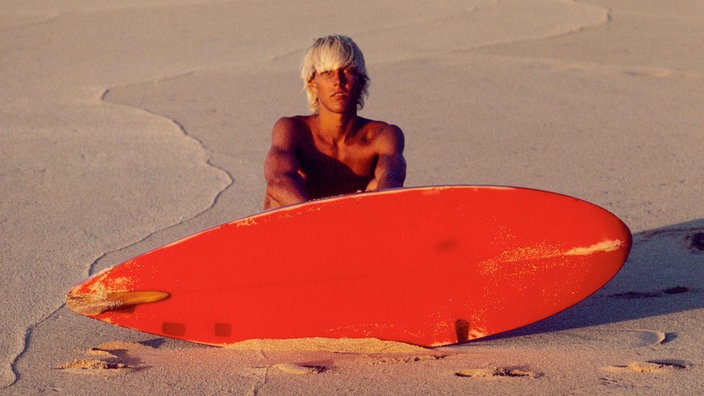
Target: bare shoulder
[
  {"x": 385, "y": 135},
  {"x": 289, "y": 129},
  {"x": 291, "y": 124}
]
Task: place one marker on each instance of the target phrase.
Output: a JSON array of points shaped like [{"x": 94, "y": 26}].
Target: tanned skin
[{"x": 332, "y": 152}]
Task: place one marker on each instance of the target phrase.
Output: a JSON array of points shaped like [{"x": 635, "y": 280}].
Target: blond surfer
[{"x": 332, "y": 151}]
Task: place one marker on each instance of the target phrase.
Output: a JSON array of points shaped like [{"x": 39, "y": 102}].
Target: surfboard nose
[{"x": 91, "y": 304}]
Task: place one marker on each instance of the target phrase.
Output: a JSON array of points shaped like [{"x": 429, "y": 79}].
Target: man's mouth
[{"x": 340, "y": 94}]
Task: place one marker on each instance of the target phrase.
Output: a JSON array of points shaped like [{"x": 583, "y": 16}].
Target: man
[{"x": 332, "y": 151}]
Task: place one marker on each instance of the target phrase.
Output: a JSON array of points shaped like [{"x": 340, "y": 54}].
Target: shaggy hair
[{"x": 331, "y": 53}]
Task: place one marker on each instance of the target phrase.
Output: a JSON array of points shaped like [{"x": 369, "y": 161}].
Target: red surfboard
[{"x": 428, "y": 266}]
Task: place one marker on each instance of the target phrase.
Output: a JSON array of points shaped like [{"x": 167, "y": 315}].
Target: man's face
[{"x": 337, "y": 90}]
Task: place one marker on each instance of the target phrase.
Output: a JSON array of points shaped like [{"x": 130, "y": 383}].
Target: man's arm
[
  {"x": 284, "y": 185},
  {"x": 390, "y": 168}
]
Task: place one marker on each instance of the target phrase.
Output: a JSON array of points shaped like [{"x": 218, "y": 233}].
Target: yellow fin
[{"x": 96, "y": 303}]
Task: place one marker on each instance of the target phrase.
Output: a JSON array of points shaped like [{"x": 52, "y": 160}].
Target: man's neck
[{"x": 337, "y": 126}]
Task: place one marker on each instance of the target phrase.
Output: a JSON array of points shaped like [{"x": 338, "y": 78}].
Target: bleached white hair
[{"x": 331, "y": 53}]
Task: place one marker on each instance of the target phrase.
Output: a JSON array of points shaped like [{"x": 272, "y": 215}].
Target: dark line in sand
[
  {"x": 26, "y": 342},
  {"x": 184, "y": 131},
  {"x": 91, "y": 268}
]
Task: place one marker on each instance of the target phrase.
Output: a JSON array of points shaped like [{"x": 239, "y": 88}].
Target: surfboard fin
[
  {"x": 462, "y": 330},
  {"x": 92, "y": 304}
]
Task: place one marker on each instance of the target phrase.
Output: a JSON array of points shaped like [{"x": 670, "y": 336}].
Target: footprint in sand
[
  {"x": 610, "y": 338},
  {"x": 693, "y": 238},
  {"x": 498, "y": 372},
  {"x": 406, "y": 359},
  {"x": 624, "y": 338},
  {"x": 650, "y": 366},
  {"x": 696, "y": 241},
  {"x": 94, "y": 366},
  {"x": 653, "y": 294},
  {"x": 301, "y": 369},
  {"x": 111, "y": 357}
]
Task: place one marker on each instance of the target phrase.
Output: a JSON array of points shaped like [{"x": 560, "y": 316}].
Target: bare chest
[{"x": 358, "y": 157}]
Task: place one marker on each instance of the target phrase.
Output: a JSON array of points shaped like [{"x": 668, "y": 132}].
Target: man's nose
[{"x": 340, "y": 77}]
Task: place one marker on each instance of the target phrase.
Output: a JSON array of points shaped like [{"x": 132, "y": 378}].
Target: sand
[{"x": 125, "y": 125}]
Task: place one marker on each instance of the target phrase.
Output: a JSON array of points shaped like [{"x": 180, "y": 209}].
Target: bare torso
[
  {"x": 326, "y": 166},
  {"x": 329, "y": 168}
]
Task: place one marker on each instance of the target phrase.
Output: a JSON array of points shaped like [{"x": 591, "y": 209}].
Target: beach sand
[{"x": 126, "y": 125}]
